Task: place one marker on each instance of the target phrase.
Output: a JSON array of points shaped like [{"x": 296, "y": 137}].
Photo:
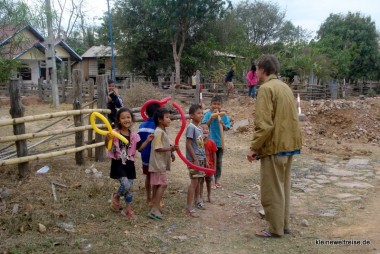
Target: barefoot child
[
  {"x": 195, "y": 153},
  {"x": 123, "y": 160},
  {"x": 210, "y": 149},
  {"x": 160, "y": 159}
]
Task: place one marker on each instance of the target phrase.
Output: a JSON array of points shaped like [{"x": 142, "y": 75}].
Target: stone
[
  {"x": 359, "y": 185},
  {"x": 357, "y": 162},
  {"x": 241, "y": 126},
  {"x": 327, "y": 212},
  {"x": 343, "y": 195},
  {"x": 339, "y": 172},
  {"x": 321, "y": 181},
  {"x": 305, "y": 223}
]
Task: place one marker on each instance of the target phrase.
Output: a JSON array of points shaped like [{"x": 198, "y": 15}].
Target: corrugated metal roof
[
  {"x": 219, "y": 53},
  {"x": 98, "y": 51}
]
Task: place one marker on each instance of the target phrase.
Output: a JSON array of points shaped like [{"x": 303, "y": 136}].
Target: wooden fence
[{"x": 23, "y": 154}]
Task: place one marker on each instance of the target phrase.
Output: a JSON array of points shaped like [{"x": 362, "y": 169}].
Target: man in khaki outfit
[{"x": 276, "y": 139}]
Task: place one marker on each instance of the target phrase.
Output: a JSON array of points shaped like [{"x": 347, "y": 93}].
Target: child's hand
[
  {"x": 150, "y": 137},
  {"x": 174, "y": 148},
  {"x": 196, "y": 162}
]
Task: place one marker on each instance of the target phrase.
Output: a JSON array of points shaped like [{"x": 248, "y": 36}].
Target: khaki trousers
[{"x": 275, "y": 191}]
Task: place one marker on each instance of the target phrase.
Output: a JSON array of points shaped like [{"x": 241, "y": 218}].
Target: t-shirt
[
  {"x": 123, "y": 167},
  {"x": 210, "y": 148},
  {"x": 196, "y": 134},
  {"x": 214, "y": 127},
  {"x": 145, "y": 129},
  {"x": 160, "y": 161}
]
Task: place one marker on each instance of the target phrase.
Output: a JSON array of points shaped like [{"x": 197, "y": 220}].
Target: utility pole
[
  {"x": 51, "y": 68},
  {"x": 113, "y": 72}
]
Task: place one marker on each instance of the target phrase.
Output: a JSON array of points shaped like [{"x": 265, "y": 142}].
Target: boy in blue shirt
[
  {"x": 215, "y": 134},
  {"x": 145, "y": 129}
]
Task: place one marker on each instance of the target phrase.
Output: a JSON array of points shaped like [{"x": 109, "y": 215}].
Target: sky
[{"x": 309, "y": 14}]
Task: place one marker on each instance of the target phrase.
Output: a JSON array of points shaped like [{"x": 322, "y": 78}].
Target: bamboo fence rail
[
  {"x": 48, "y": 155},
  {"x": 50, "y": 115}
]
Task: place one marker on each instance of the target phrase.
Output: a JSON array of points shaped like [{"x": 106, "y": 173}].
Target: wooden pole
[
  {"x": 50, "y": 56},
  {"x": 197, "y": 88},
  {"x": 78, "y": 120},
  {"x": 63, "y": 83},
  {"x": 100, "y": 153},
  {"x": 17, "y": 110}
]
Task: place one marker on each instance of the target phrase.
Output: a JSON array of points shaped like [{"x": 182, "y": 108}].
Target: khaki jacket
[{"x": 277, "y": 127}]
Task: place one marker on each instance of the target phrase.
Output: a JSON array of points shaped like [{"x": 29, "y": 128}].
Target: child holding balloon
[
  {"x": 218, "y": 121},
  {"x": 123, "y": 160},
  {"x": 161, "y": 156}
]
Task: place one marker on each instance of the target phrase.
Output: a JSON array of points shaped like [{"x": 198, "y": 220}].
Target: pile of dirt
[{"x": 344, "y": 120}]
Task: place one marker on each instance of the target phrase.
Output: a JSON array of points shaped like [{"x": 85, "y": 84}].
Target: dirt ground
[{"x": 335, "y": 194}]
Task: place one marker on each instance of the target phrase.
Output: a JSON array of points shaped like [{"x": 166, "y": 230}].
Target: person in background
[
  {"x": 114, "y": 101},
  {"x": 276, "y": 139},
  {"x": 228, "y": 81},
  {"x": 145, "y": 129},
  {"x": 252, "y": 81}
]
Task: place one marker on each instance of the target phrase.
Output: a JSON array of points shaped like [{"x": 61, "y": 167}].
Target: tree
[
  {"x": 17, "y": 14},
  {"x": 351, "y": 40},
  {"x": 177, "y": 19},
  {"x": 144, "y": 49},
  {"x": 265, "y": 23}
]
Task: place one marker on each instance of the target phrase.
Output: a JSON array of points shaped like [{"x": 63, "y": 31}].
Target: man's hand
[{"x": 251, "y": 155}]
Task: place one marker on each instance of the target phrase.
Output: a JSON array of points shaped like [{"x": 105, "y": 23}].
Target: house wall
[
  {"x": 33, "y": 54},
  {"x": 35, "y": 69},
  {"x": 61, "y": 52},
  {"x": 92, "y": 67}
]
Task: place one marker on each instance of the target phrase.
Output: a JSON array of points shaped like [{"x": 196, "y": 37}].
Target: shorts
[
  {"x": 230, "y": 86},
  {"x": 196, "y": 173},
  {"x": 145, "y": 169},
  {"x": 158, "y": 178}
]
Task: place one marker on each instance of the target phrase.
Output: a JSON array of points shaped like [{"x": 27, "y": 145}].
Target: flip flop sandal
[
  {"x": 201, "y": 206},
  {"x": 191, "y": 213},
  {"x": 287, "y": 231},
  {"x": 155, "y": 217},
  {"x": 266, "y": 234},
  {"x": 128, "y": 214}
]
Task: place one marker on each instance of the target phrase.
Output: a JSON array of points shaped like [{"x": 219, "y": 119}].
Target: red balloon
[
  {"x": 161, "y": 103},
  {"x": 208, "y": 171}
]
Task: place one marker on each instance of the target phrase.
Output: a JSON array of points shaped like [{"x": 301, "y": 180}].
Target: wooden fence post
[
  {"x": 78, "y": 119},
  {"x": 198, "y": 88},
  {"x": 17, "y": 110},
  {"x": 102, "y": 103},
  {"x": 63, "y": 83},
  {"x": 90, "y": 132}
]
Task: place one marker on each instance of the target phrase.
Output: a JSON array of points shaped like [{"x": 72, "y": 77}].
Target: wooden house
[
  {"x": 27, "y": 45},
  {"x": 97, "y": 60}
]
